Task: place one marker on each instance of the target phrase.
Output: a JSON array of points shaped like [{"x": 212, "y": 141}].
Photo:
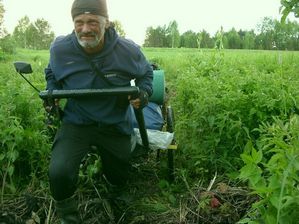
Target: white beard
[{"x": 90, "y": 43}]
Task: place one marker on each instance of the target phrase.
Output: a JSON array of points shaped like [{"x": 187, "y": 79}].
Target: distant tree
[
  {"x": 44, "y": 35},
  {"x": 246, "y": 39},
  {"x": 2, "y": 11},
  {"x": 156, "y": 37},
  {"x": 199, "y": 40},
  {"x": 266, "y": 25},
  {"x": 286, "y": 35},
  {"x": 206, "y": 40},
  {"x": 32, "y": 37},
  {"x": 173, "y": 34},
  {"x": 233, "y": 39},
  {"x": 249, "y": 40},
  {"x": 189, "y": 39},
  {"x": 7, "y": 44},
  {"x": 148, "y": 41},
  {"x": 20, "y": 33},
  {"x": 219, "y": 39},
  {"x": 288, "y": 6},
  {"x": 37, "y": 35},
  {"x": 270, "y": 33},
  {"x": 119, "y": 28},
  {"x": 241, "y": 34},
  {"x": 292, "y": 29},
  {"x": 266, "y": 33}
]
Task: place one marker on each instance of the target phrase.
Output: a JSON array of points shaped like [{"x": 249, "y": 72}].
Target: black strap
[{"x": 100, "y": 74}]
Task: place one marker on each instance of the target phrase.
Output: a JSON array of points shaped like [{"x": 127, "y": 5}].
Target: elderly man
[{"x": 93, "y": 56}]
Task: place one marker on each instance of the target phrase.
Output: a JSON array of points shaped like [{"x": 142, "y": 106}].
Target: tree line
[
  {"x": 271, "y": 34},
  {"x": 31, "y": 35}
]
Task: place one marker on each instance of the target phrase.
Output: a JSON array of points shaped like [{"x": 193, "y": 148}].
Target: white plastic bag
[{"x": 157, "y": 139}]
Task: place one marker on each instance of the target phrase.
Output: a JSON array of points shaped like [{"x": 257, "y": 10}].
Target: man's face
[{"x": 90, "y": 30}]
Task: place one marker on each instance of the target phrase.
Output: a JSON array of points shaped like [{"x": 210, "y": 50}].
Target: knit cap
[{"x": 95, "y": 7}]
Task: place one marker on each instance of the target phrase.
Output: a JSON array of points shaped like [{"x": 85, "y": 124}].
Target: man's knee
[
  {"x": 61, "y": 170},
  {"x": 62, "y": 180}
]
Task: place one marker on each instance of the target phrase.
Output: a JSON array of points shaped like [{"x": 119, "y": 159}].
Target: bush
[
  {"x": 220, "y": 101},
  {"x": 7, "y": 45},
  {"x": 24, "y": 142},
  {"x": 271, "y": 170}
]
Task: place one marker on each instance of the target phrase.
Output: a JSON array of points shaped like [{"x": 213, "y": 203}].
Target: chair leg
[
  {"x": 170, "y": 152},
  {"x": 170, "y": 165}
]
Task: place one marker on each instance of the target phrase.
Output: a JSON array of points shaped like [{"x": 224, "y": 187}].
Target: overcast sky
[{"x": 136, "y": 15}]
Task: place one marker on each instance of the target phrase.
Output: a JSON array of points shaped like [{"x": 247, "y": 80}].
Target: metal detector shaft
[{"x": 36, "y": 89}]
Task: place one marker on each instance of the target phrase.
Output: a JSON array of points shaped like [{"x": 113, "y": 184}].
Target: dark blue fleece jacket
[{"x": 120, "y": 61}]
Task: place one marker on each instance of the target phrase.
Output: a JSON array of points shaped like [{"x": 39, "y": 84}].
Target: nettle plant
[
  {"x": 24, "y": 142},
  {"x": 220, "y": 101},
  {"x": 271, "y": 169}
]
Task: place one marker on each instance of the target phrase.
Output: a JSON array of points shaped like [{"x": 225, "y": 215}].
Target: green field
[{"x": 237, "y": 128}]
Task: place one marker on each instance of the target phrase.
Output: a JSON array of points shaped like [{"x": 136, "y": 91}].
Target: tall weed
[
  {"x": 271, "y": 169},
  {"x": 221, "y": 99},
  {"x": 23, "y": 139}
]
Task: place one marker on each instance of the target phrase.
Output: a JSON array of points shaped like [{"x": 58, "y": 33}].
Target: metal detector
[{"x": 50, "y": 95}]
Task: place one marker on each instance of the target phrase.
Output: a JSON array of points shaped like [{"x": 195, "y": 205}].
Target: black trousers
[{"x": 73, "y": 142}]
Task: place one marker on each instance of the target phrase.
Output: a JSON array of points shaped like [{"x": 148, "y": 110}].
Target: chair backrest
[{"x": 158, "y": 95}]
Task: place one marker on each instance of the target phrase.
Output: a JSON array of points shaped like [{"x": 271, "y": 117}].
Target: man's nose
[{"x": 85, "y": 28}]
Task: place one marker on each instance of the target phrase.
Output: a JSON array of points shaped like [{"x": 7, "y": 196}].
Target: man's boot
[{"x": 67, "y": 211}]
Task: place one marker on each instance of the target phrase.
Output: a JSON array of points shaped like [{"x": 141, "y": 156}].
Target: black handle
[{"x": 75, "y": 93}]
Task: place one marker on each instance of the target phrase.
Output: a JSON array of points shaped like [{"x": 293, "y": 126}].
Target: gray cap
[{"x": 95, "y": 7}]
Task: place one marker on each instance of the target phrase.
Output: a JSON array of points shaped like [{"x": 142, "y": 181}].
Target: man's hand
[
  {"x": 135, "y": 103},
  {"x": 49, "y": 106},
  {"x": 141, "y": 100}
]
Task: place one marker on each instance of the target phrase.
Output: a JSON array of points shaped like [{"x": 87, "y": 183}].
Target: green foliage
[
  {"x": 189, "y": 39},
  {"x": 219, "y": 39},
  {"x": 288, "y": 6},
  {"x": 42, "y": 34},
  {"x": 272, "y": 34},
  {"x": 234, "y": 103},
  {"x": 119, "y": 28},
  {"x": 235, "y": 111},
  {"x": 173, "y": 34},
  {"x": 90, "y": 168},
  {"x": 276, "y": 35},
  {"x": 24, "y": 142},
  {"x": 7, "y": 45},
  {"x": 37, "y": 35},
  {"x": 272, "y": 171},
  {"x": 20, "y": 33},
  {"x": 163, "y": 36},
  {"x": 156, "y": 37},
  {"x": 221, "y": 99},
  {"x": 2, "y": 10},
  {"x": 233, "y": 39}
]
